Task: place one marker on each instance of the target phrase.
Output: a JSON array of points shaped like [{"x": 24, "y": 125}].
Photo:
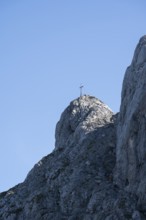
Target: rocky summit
[{"x": 97, "y": 170}]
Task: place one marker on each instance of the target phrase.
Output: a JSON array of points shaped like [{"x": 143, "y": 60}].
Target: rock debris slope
[{"x": 97, "y": 170}]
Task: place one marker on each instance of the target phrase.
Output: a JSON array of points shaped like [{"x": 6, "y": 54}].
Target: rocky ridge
[{"x": 97, "y": 170}]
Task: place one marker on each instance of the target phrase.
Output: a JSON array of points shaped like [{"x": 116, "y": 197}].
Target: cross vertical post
[{"x": 81, "y": 88}]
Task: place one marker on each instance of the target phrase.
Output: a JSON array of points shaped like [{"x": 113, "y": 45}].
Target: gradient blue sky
[{"x": 47, "y": 48}]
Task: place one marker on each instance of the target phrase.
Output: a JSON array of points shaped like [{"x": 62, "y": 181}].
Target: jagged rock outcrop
[
  {"x": 131, "y": 132},
  {"x": 97, "y": 170},
  {"x": 67, "y": 183},
  {"x": 82, "y": 116}
]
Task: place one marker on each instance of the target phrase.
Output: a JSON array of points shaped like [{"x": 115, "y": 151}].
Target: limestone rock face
[
  {"x": 131, "y": 131},
  {"x": 81, "y": 117},
  {"x": 74, "y": 182},
  {"x": 97, "y": 170}
]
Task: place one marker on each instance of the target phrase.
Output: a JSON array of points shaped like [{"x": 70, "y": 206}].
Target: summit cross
[{"x": 81, "y": 90}]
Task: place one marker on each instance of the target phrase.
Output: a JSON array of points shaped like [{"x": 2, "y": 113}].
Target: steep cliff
[
  {"x": 97, "y": 170},
  {"x": 131, "y": 131},
  {"x": 66, "y": 183}
]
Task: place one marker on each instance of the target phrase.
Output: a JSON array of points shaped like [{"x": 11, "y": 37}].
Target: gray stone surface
[
  {"x": 131, "y": 132},
  {"x": 97, "y": 170},
  {"x": 75, "y": 180},
  {"x": 81, "y": 117}
]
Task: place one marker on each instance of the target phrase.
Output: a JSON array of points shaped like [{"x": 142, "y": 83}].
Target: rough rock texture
[
  {"x": 67, "y": 183},
  {"x": 97, "y": 170},
  {"x": 82, "y": 116},
  {"x": 131, "y": 132}
]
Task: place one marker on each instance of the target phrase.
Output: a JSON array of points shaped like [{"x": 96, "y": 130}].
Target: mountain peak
[
  {"x": 139, "y": 57},
  {"x": 98, "y": 167},
  {"x": 82, "y": 116}
]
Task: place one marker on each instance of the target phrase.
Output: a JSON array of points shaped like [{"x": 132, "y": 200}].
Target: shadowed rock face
[
  {"x": 72, "y": 182},
  {"x": 97, "y": 170},
  {"x": 131, "y": 132}
]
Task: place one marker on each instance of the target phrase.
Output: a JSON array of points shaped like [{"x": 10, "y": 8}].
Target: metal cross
[{"x": 81, "y": 89}]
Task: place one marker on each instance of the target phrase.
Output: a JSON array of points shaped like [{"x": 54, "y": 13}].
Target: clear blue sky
[{"x": 47, "y": 48}]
